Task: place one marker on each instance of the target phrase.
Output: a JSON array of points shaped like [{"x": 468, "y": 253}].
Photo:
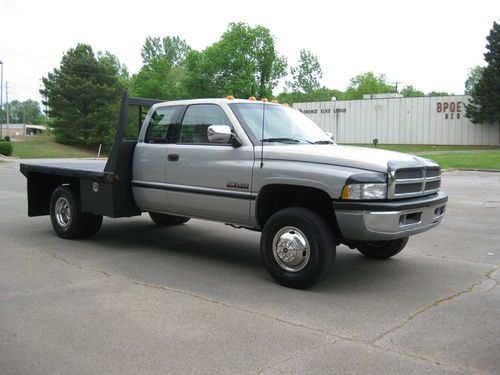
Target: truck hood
[{"x": 347, "y": 156}]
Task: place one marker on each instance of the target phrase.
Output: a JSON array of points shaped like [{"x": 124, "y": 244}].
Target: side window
[
  {"x": 161, "y": 126},
  {"x": 197, "y": 119}
]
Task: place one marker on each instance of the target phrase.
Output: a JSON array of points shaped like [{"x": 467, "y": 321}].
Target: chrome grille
[{"x": 414, "y": 182}]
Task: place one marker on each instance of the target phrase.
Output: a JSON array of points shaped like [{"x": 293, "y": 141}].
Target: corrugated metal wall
[{"x": 436, "y": 120}]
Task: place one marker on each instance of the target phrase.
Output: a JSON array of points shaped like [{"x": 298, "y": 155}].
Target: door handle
[{"x": 173, "y": 157}]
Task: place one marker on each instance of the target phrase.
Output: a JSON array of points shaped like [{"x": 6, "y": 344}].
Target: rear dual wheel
[{"x": 67, "y": 219}]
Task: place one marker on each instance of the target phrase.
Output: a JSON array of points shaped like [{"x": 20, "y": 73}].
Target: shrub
[
  {"x": 5, "y": 148},
  {"x": 7, "y": 138}
]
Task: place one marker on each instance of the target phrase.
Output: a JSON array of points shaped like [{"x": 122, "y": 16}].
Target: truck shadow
[
  {"x": 228, "y": 251},
  {"x": 218, "y": 243}
]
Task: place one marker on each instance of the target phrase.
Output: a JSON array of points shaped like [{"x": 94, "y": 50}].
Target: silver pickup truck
[{"x": 251, "y": 164}]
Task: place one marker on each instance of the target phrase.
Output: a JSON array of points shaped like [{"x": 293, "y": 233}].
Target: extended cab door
[
  {"x": 208, "y": 180},
  {"x": 150, "y": 159}
]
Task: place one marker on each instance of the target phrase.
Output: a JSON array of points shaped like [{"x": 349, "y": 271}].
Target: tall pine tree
[
  {"x": 485, "y": 104},
  {"x": 82, "y": 96}
]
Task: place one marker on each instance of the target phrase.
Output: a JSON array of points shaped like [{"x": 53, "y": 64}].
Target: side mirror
[
  {"x": 330, "y": 135},
  {"x": 219, "y": 133},
  {"x": 222, "y": 134}
]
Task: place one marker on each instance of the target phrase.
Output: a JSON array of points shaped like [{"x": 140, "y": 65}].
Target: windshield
[{"x": 282, "y": 124}]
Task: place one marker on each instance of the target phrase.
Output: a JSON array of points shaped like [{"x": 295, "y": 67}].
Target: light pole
[{"x": 1, "y": 99}]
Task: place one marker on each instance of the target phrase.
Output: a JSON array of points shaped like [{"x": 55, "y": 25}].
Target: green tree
[
  {"x": 162, "y": 74},
  {"x": 321, "y": 94},
  {"x": 170, "y": 49},
  {"x": 26, "y": 112},
  {"x": 368, "y": 83},
  {"x": 305, "y": 76},
  {"x": 82, "y": 96},
  {"x": 159, "y": 80},
  {"x": 473, "y": 77},
  {"x": 410, "y": 91},
  {"x": 243, "y": 63},
  {"x": 438, "y": 93},
  {"x": 485, "y": 104},
  {"x": 114, "y": 63}
]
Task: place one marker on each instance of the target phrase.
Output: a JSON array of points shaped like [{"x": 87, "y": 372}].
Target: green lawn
[
  {"x": 476, "y": 160},
  {"x": 425, "y": 148},
  {"x": 468, "y": 159},
  {"x": 44, "y": 146}
]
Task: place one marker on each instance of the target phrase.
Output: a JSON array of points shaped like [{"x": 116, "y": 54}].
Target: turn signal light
[{"x": 345, "y": 192}]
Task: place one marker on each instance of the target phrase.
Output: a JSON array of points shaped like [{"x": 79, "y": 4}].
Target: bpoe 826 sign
[{"x": 451, "y": 110}]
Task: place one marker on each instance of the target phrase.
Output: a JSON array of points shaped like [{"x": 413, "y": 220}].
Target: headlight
[{"x": 364, "y": 191}]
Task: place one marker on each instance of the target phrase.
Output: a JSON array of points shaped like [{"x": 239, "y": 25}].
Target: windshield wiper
[
  {"x": 323, "y": 142},
  {"x": 281, "y": 140}
]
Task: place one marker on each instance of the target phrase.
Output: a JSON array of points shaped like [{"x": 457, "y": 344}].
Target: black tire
[
  {"x": 67, "y": 219},
  {"x": 382, "y": 249},
  {"x": 164, "y": 220},
  {"x": 93, "y": 225},
  {"x": 288, "y": 227}
]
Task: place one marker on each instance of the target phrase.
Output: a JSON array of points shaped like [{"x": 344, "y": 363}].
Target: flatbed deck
[{"x": 80, "y": 168}]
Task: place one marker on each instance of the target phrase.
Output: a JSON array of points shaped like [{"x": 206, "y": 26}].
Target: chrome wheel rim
[
  {"x": 63, "y": 212},
  {"x": 291, "y": 249}
]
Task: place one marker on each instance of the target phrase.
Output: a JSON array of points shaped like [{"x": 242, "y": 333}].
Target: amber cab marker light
[
  {"x": 345, "y": 192},
  {"x": 274, "y": 101},
  {"x": 286, "y": 104},
  {"x": 230, "y": 97},
  {"x": 264, "y": 100},
  {"x": 252, "y": 98}
]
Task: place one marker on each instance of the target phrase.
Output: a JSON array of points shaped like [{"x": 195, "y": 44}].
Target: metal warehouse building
[{"x": 393, "y": 119}]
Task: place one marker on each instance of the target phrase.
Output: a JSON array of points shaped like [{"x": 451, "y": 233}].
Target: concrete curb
[{"x": 7, "y": 158}]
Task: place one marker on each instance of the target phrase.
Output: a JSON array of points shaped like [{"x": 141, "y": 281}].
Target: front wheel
[
  {"x": 382, "y": 249},
  {"x": 297, "y": 247}
]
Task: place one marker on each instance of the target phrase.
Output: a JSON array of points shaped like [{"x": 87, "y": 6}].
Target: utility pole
[
  {"x": 7, "y": 105},
  {"x": 396, "y": 84}
]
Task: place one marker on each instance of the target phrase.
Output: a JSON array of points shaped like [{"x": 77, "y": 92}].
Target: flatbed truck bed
[{"x": 104, "y": 186}]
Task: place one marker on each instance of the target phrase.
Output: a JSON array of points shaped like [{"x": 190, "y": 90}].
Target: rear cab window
[{"x": 162, "y": 125}]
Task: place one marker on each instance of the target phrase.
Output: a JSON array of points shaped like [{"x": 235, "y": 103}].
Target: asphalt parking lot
[{"x": 196, "y": 299}]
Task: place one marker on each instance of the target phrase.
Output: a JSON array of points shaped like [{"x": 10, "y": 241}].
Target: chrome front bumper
[{"x": 380, "y": 221}]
